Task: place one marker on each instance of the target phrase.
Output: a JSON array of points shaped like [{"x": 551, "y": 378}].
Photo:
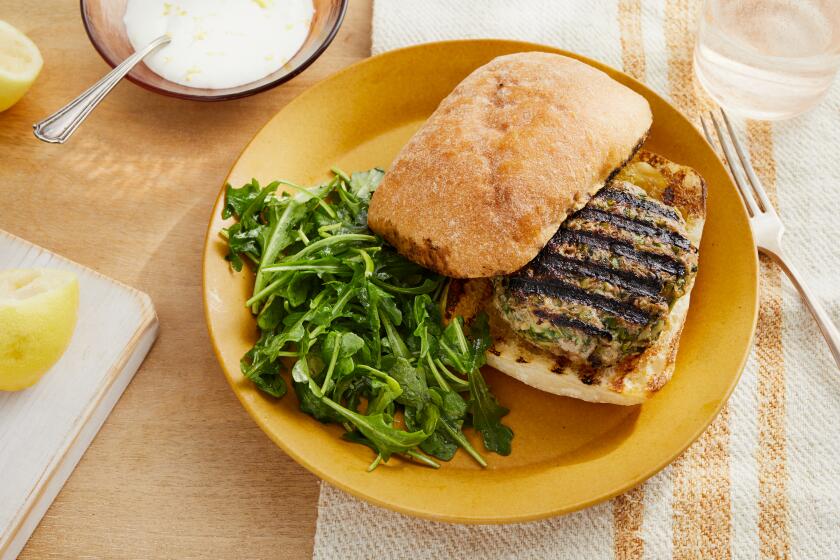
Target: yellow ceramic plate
[{"x": 567, "y": 454}]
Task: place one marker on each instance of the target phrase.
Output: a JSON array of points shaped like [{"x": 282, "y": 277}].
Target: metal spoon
[{"x": 58, "y": 127}]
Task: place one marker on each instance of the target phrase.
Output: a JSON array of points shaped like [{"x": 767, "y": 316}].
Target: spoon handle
[{"x": 58, "y": 127}]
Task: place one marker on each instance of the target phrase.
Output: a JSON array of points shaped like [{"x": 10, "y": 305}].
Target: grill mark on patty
[
  {"x": 649, "y": 286},
  {"x": 640, "y": 227},
  {"x": 664, "y": 263},
  {"x": 560, "y": 320},
  {"x": 562, "y": 290},
  {"x": 620, "y": 195},
  {"x": 608, "y": 275}
]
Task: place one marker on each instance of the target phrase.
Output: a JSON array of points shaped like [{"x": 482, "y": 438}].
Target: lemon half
[
  {"x": 38, "y": 310},
  {"x": 20, "y": 64}
]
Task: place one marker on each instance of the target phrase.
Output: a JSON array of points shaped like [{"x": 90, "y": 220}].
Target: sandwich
[{"x": 530, "y": 187}]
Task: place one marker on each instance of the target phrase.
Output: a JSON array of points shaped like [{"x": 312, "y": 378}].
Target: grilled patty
[{"x": 602, "y": 288}]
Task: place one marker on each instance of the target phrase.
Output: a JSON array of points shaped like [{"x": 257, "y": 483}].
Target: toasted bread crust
[
  {"x": 635, "y": 379},
  {"x": 519, "y": 145}
]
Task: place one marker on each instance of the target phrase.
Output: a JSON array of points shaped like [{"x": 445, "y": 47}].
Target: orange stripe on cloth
[
  {"x": 773, "y": 532},
  {"x": 628, "y": 512},
  {"x": 679, "y": 39},
  {"x": 702, "y": 517},
  {"x": 702, "y": 505},
  {"x": 628, "y": 509},
  {"x": 632, "y": 46}
]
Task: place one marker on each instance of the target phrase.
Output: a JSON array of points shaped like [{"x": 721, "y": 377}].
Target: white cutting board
[{"x": 45, "y": 430}]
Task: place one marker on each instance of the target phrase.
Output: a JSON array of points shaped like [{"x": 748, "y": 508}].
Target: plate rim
[{"x": 632, "y": 482}]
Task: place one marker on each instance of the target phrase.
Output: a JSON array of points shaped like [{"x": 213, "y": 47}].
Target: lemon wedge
[
  {"x": 38, "y": 310},
  {"x": 20, "y": 63}
]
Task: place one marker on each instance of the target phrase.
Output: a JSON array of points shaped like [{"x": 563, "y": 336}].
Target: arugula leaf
[
  {"x": 353, "y": 390},
  {"x": 453, "y": 408},
  {"x": 249, "y": 217},
  {"x": 271, "y": 314},
  {"x": 281, "y": 233},
  {"x": 363, "y": 183},
  {"x": 356, "y": 437},
  {"x": 242, "y": 242},
  {"x": 454, "y": 348},
  {"x": 382, "y": 434},
  {"x": 427, "y": 324},
  {"x": 386, "y": 388},
  {"x": 453, "y": 413},
  {"x": 395, "y": 342},
  {"x": 350, "y": 344},
  {"x": 263, "y": 372},
  {"x": 439, "y": 444},
  {"x": 237, "y": 200},
  {"x": 415, "y": 393},
  {"x": 487, "y": 415},
  {"x": 480, "y": 335},
  {"x": 313, "y": 406},
  {"x": 388, "y": 306},
  {"x": 369, "y": 298},
  {"x": 297, "y": 290},
  {"x": 293, "y": 333}
]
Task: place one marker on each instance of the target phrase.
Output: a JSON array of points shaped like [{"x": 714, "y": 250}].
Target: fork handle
[{"x": 827, "y": 327}]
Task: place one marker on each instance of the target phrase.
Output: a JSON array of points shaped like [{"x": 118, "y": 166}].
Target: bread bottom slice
[{"x": 636, "y": 378}]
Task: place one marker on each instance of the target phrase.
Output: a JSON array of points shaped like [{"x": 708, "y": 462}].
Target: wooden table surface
[{"x": 179, "y": 470}]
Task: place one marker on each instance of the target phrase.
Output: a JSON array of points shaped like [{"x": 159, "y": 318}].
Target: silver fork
[{"x": 766, "y": 226}]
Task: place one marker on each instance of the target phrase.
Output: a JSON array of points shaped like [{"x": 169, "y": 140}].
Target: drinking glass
[{"x": 768, "y": 59}]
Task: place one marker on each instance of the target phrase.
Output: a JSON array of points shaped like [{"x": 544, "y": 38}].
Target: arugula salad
[{"x": 356, "y": 328}]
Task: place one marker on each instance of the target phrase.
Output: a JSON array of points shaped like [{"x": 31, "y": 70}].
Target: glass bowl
[{"x": 103, "y": 21}]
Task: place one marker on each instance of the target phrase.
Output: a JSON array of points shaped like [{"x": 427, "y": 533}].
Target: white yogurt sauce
[{"x": 218, "y": 43}]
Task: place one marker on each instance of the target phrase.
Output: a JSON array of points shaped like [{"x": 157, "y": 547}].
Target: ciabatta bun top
[{"x": 519, "y": 145}]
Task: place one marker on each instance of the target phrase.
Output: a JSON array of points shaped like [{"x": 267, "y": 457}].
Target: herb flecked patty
[{"x": 602, "y": 288}]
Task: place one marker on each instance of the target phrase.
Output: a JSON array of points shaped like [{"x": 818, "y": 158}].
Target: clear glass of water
[{"x": 768, "y": 59}]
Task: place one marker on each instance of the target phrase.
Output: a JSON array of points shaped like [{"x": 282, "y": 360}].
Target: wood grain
[{"x": 179, "y": 470}]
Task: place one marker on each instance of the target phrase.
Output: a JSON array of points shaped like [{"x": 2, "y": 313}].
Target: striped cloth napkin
[{"x": 764, "y": 480}]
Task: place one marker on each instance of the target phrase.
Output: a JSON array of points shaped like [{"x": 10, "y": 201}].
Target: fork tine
[
  {"x": 706, "y": 132},
  {"x": 735, "y": 169},
  {"x": 755, "y": 182}
]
